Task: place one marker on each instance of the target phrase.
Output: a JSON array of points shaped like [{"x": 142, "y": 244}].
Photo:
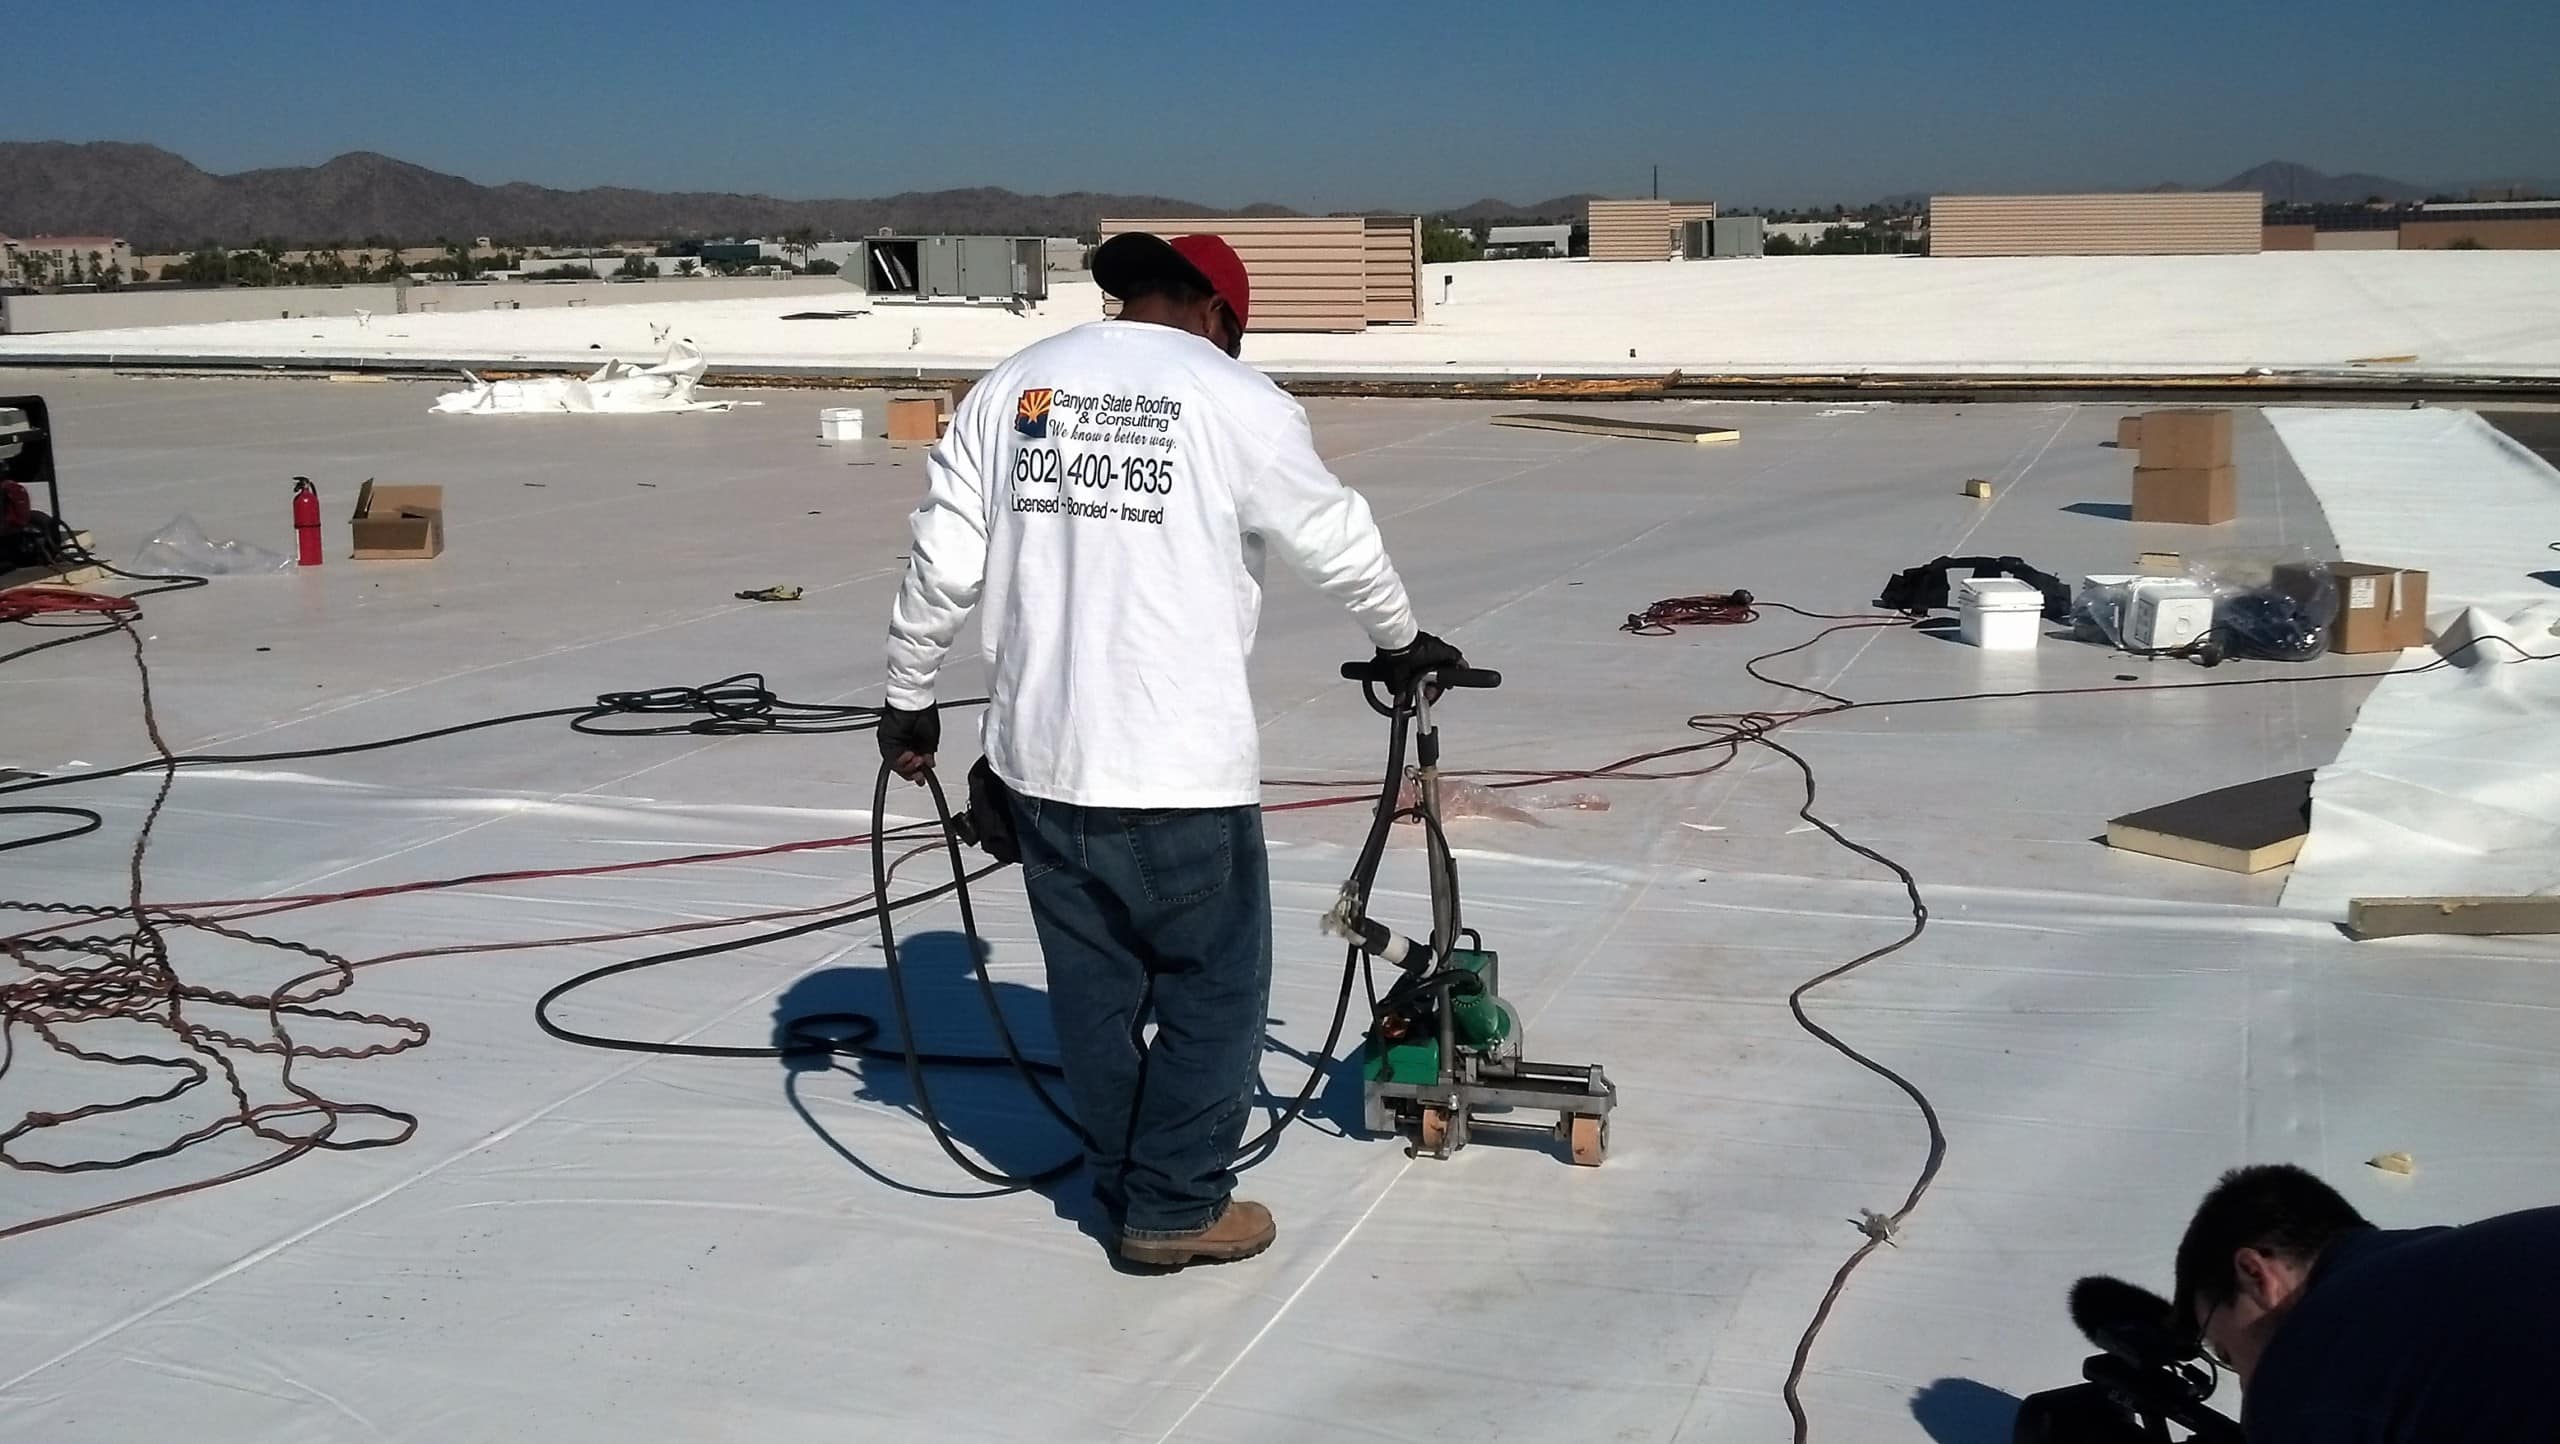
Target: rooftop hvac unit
[
  {"x": 1738, "y": 236},
  {"x": 974, "y": 268}
]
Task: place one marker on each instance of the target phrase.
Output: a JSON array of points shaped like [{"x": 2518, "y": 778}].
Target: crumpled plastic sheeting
[
  {"x": 2450, "y": 782},
  {"x": 182, "y": 548},
  {"x": 615, "y": 388},
  {"x": 1461, "y": 799}
]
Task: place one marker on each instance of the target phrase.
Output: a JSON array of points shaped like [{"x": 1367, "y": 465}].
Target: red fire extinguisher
[{"x": 306, "y": 519}]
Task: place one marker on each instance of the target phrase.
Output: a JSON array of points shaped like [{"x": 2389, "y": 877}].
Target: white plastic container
[
  {"x": 840, "y": 423},
  {"x": 1998, "y": 614},
  {"x": 2171, "y": 614}
]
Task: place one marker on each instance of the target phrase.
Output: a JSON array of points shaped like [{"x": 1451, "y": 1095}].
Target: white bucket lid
[{"x": 1999, "y": 594}]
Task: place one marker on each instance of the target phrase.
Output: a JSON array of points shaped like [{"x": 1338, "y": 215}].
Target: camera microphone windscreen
[{"x": 2129, "y": 1321}]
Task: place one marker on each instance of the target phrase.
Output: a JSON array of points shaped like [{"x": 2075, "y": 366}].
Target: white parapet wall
[{"x": 73, "y": 311}]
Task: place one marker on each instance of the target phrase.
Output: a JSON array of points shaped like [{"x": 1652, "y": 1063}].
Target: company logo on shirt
[{"x": 1031, "y": 413}]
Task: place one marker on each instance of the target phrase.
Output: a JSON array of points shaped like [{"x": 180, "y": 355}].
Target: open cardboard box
[
  {"x": 919, "y": 418},
  {"x": 398, "y": 522}
]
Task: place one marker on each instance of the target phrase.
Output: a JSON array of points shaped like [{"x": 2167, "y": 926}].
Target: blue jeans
[{"x": 1159, "y": 917}]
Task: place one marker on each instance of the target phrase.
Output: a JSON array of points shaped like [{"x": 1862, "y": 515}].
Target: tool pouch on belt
[{"x": 987, "y": 825}]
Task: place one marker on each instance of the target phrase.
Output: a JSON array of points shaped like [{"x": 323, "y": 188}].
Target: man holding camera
[{"x": 2343, "y": 1333}]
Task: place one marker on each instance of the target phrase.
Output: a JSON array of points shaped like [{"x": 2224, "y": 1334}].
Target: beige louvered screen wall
[
  {"x": 2167, "y": 223},
  {"x": 1630, "y": 230},
  {"x": 1394, "y": 256},
  {"x": 1309, "y": 273}
]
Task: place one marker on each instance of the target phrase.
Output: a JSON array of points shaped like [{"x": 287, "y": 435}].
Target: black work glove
[
  {"x": 908, "y": 740},
  {"x": 1410, "y": 663}
]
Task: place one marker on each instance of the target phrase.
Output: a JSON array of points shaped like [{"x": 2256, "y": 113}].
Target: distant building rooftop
[{"x": 2486, "y": 210}]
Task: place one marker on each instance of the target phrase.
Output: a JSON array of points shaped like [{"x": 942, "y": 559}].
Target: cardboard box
[
  {"x": 404, "y": 522},
  {"x": 2187, "y": 495},
  {"x": 2186, "y": 439},
  {"x": 2380, "y": 609},
  {"x": 2128, "y": 433},
  {"x": 919, "y": 418}
]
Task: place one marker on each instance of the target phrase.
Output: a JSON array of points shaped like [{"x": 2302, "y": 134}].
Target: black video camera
[{"x": 2145, "y": 1380}]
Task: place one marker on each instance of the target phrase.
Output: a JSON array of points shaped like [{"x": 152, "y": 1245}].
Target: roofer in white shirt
[{"x": 1110, "y": 495}]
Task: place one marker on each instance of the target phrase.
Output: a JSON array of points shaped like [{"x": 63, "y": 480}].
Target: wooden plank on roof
[
  {"x": 2400, "y": 917},
  {"x": 1680, "y": 431}
]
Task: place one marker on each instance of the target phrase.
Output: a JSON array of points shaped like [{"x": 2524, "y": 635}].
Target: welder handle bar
[
  {"x": 1380, "y": 942},
  {"x": 1370, "y": 671}
]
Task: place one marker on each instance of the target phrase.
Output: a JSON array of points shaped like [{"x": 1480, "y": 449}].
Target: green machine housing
[{"x": 1477, "y": 1021}]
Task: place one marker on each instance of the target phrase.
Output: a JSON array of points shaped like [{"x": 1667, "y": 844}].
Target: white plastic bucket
[{"x": 1998, "y": 614}]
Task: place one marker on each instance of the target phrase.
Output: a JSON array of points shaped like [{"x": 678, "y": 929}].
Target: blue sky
[{"x": 1312, "y": 105}]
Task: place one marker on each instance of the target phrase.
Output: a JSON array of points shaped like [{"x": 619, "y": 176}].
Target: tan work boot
[{"x": 1243, "y": 1230}]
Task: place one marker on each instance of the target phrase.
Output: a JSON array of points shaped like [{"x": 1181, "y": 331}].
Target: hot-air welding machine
[
  {"x": 1444, "y": 1050},
  {"x": 28, "y": 537}
]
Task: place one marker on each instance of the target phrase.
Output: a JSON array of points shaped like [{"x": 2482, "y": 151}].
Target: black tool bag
[
  {"x": 1925, "y": 589},
  {"x": 987, "y": 825}
]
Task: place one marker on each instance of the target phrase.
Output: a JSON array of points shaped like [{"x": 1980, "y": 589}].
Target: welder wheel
[
  {"x": 1431, "y": 1131},
  {"x": 1588, "y": 1134}
]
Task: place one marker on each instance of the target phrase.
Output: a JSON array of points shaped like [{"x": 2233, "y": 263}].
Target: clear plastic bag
[
  {"x": 2275, "y": 607},
  {"x": 182, "y": 549},
  {"x": 1460, "y": 799},
  {"x": 2098, "y": 609},
  {"x": 2278, "y": 607}
]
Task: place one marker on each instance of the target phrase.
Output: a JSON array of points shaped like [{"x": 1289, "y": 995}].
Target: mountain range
[
  {"x": 2287, "y": 183},
  {"x": 160, "y": 201}
]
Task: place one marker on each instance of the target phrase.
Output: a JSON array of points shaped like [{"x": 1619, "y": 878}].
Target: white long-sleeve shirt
[{"x": 1112, "y": 491}]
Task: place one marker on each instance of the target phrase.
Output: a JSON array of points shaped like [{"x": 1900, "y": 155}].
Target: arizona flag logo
[{"x": 1031, "y": 414}]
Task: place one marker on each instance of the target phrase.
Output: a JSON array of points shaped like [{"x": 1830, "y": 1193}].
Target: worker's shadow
[{"x": 987, "y": 1110}]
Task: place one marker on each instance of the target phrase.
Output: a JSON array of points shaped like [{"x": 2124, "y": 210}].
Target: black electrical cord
[
  {"x": 851, "y": 1034},
  {"x": 742, "y": 704},
  {"x": 84, "y": 822},
  {"x": 732, "y": 705}
]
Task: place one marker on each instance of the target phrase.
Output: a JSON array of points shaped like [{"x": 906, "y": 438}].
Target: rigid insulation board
[{"x": 2248, "y": 828}]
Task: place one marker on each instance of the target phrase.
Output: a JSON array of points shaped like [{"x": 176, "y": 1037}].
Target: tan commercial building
[
  {"x": 2485, "y": 225},
  {"x": 2165, "y": 223},
  {"x": 64, "y": 260},
  {"x": 2435, "y": 226},
  {"x": 1315, "y": 273}
]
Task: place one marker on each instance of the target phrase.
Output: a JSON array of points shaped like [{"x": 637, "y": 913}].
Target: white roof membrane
[{"x": 581, "y": 1245}]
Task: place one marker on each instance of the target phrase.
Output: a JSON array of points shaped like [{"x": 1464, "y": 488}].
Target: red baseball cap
[{"x": 1132, "y": 258}]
